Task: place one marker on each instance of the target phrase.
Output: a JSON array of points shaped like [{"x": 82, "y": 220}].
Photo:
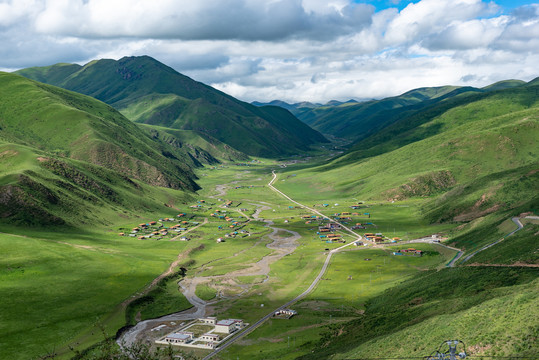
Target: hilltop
[{"x": 149, "y": 92}]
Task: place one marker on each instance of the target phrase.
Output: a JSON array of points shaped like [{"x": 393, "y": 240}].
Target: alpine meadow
[{"x": 290, "y": 180}]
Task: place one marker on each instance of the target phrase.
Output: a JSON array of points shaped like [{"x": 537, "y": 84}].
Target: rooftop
[
  {"x": 226, "y": 322},
  {"x": 179, "y": 336}
]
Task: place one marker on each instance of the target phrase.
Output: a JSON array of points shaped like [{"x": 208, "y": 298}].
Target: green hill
[
  {"x": 149, "y": 92},
  {"x": 487, "y": 307},
  {"x": 202, "y": 147},
  {"x": 455, "y": 111},
  {"x": 473, "y": 160},
  {"x": 68, "y": 158},
  {"x": 504, "y": 84},
  {"x": 355, "y": 121}
]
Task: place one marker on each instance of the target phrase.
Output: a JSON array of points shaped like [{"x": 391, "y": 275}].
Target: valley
[
  {"x": 154, "y": 200},
  {"x": 243, "y": 277}
]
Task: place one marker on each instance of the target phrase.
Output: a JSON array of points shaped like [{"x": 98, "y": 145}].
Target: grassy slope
[
  {"x": 67, "y": 159},
  {"x": 356, "y": 121},
  {"x": 459, "y": 109},
  {"x": 476, "y": 146},
  {"x": 150, "y": 92},
  {"x": 79, "y": 127},
  {"x": 488, "y": 308},
  {"x": 202, "y": 147},
  {"x": 42, "y": 190}
]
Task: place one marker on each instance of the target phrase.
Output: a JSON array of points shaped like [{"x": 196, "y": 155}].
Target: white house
[
  {"x": 228, "y": 326},
  {"x": 179, "y": 337},
  {"x": 210, "y": 320},
  {"x": 210, "y": 337}
]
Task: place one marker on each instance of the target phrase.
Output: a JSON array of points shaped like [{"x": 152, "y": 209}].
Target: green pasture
[
  {"x": 58, "y": 286},
  {"x": 490, "y": 309},
  {"x": 335, "y": 301},
  {"x": 99, "y": 269},
  {"x": 205, "y": 292}
]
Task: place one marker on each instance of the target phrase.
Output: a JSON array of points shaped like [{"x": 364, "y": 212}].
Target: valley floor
[{"x": 247, "y": 251}]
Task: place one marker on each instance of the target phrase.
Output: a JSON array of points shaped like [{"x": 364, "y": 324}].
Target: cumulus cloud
[
  {"x": 285, "y": 49},
  {"x": 468, "y": 34},
  {"x": 202, "y": 19}
]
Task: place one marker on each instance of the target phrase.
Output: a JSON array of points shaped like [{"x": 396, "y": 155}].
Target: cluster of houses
[
  {"x": 158, "y": 229},
  {"x": 234, "y": 224},
  {"x": 221, "y": 330},
  {"x": 310, "y": 218},
  {"x": 347, "y": 216},
  {"x": 408, "y": 252},
  {"x": 327, "y": 232},
  {"x": 233, "y": 235}
]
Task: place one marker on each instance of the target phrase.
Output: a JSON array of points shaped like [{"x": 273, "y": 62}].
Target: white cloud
[
  {"x": 284, "y": 49},
  {"x": 471, "y": 34},
  {"x": 14, "y": 11},
  {"x": 428, "y": 16},
  {"x": 202, "y": 19}
]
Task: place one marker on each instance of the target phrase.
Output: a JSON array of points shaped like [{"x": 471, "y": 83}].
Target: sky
[{"x": 292, "y": 50}]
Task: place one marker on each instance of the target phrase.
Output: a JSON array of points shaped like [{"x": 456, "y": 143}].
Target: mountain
[
  {"x": 285, "y": 105},
  {"x": 65, "y": 153},
  {"x": 149, "y": 92},
  {"x": 469, "y": 157},
  {"x": 504, "y": 84},
  {"x": 202, "y": 147},
  {"x": 355, "y": 121},
  {"x": 301, "y": 106}
]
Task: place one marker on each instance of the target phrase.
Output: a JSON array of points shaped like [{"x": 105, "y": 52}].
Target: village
[
  {"x": 233, "y": 225},
  {"x": 234, "y": 221}
]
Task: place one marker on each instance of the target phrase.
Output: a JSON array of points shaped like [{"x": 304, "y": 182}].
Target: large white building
[
  {"x": 179, "y": 337},
  {"x": 228, "y": 326}
]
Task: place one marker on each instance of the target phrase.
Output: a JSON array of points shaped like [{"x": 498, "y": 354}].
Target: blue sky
[
  {"x": 293, "y": 50},
  {"x": 507, "y": 5}
]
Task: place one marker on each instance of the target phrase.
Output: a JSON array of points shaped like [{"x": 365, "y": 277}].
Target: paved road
[
  {"x": 519, "y": 225},
  {"x": 270, "y": 184},
  {"x": 311, "y": 287}
]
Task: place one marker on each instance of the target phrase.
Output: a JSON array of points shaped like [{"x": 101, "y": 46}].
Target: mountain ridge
[{"x": 182, "y": 103}]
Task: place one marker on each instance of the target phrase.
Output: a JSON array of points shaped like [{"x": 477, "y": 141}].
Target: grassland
[
  {"x": 486, "y": 307},
  {"x": 84, "y": 276},
  {"x": 99, "y": 270},
  {"x": 56, "y": 285}
]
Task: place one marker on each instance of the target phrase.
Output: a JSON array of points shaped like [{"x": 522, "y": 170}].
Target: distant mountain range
[
  {"x": 149, "y": 92},
  {"x": 354, "y": 120},
  {"x": 302, "y": 105}
]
